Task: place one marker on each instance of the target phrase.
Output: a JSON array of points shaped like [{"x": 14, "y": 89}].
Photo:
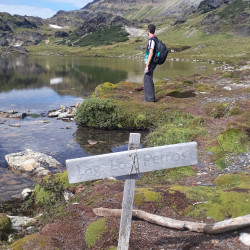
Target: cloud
[
  {"x": 76, "y": 3},
  {"x": 27, "y": 10}
]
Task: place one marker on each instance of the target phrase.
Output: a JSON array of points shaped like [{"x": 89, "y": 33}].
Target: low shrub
[{"x": 98, "y": 113}]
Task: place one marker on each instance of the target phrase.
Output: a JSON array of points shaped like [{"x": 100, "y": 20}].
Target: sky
[{"x": 40, "y": 8}]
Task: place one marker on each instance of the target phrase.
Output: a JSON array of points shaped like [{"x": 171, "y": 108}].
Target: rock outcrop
[
  {"x": 23, "y": 38},
  {"x": 34, "y": 163},
  {"x": 19, "y": 223}
]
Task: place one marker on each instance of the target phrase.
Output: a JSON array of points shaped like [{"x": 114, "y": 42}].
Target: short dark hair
[{"x": 151, "y": 28}]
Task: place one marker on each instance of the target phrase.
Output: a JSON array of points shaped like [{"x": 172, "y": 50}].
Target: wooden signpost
[{"x": 129, "y": 164}]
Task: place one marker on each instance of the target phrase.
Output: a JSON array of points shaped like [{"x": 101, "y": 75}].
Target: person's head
[{"x": 151, "y": 28}]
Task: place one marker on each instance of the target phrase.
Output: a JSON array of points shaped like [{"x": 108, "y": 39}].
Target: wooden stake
[{"x": 128, "y": 199}]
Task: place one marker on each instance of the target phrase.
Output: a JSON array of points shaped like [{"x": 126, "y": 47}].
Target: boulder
[
  {"x": 62, "y": 34},
  {"x": 19, "y": 223},
  {"x": 214, "y": 3},
  {"x": 28, "y": 161}
]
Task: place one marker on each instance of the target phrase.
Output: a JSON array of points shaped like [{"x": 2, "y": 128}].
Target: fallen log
[{"x": 213, "y": 228}]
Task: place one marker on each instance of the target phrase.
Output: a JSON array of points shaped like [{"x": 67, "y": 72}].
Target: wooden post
[{"x": 128, "y": 199}]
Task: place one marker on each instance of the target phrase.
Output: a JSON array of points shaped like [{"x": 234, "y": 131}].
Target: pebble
[
  {"x": 245, "y": 239},
  {"x": 16, "y": 125}
]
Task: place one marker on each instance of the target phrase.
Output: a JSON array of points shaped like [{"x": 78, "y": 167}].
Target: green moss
[
  {"x": 18, "y": 245},
  {"x": 138, "y": 199},
  {"x": 202, "y": 87},
  {"x": 141, "y": 121},
  {"x": 167, "y": 175},
  {"x": 112, "y": 248},
  {"x": 230, "y": 141},
  {"x": 216, "y": 202},
  {"x": 103, "y": 89},
  {"x": 241, "y": 180},
  {"x": 95, "y": 231},
  {"x": 143, "y": 195},
  {"x": 149, "y": 195},
  {"x": 179, "y": 128},
  {"x": 227, "y": 75},
  {"x": 5, "y": 224}
]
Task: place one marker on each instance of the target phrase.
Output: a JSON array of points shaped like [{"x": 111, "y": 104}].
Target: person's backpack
[{"x": 160, "y": 51}]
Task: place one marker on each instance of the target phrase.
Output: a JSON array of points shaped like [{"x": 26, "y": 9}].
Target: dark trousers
[{"x": 149, "y": 89}]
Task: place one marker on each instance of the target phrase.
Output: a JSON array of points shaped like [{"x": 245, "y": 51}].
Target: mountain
[
  {"x": 144, "y": 9},
  {"x": 180, "y": 23}
]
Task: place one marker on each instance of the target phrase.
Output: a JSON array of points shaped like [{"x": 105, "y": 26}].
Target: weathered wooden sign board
[{"x": 128, "y": 164}]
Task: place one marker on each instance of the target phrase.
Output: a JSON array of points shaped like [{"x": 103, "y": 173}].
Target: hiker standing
[{"x": 149, "y": 90}]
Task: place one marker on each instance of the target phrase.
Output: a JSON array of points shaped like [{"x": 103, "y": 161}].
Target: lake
[{"x": 40, "y": 84}]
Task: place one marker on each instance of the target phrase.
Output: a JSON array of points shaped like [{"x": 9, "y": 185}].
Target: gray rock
[
  {"x": 54, "y": 113},
  {"x": 31, "y": 162},
  {"x": 19, "y": 223},
  {"x": 214, "y": 3},
  {"x": 26, "y": 192},
  {"x": 65, "y": 115},
  {"x": 245, "y": 239},
  {"x": 17, "y": 115},
  {"x": 16, "y": 125}
]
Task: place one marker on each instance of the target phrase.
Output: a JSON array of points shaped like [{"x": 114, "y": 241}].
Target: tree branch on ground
[{"x": 213, "y": 228}]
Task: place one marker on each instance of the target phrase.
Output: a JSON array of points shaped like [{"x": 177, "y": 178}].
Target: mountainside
[
  {"x": 144, "y": 9},
  {"x": 181, "y": 24}
]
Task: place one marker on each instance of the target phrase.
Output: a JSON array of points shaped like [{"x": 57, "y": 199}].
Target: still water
[{"x": 39, "y": 84}]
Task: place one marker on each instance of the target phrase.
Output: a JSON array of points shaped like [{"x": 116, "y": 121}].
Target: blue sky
[{"x": 41, "y": 8}]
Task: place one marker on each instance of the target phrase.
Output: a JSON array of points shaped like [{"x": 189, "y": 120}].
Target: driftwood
[{"x": 214, "y": 228}]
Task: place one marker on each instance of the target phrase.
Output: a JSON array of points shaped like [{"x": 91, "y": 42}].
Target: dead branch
[{"x": 214, "y": 228}]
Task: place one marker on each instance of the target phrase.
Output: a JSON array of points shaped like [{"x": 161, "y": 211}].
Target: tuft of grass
[
  {"x": 216, "y": 110},
  {"x": 95, "y": 231}
]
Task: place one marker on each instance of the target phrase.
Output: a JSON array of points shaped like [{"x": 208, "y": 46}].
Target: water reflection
[
  {"x": 102, "y": 141},
  {"x": 65, "y": 75}
]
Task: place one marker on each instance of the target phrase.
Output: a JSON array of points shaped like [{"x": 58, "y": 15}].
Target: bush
[{"x": 98, "y": 113}]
